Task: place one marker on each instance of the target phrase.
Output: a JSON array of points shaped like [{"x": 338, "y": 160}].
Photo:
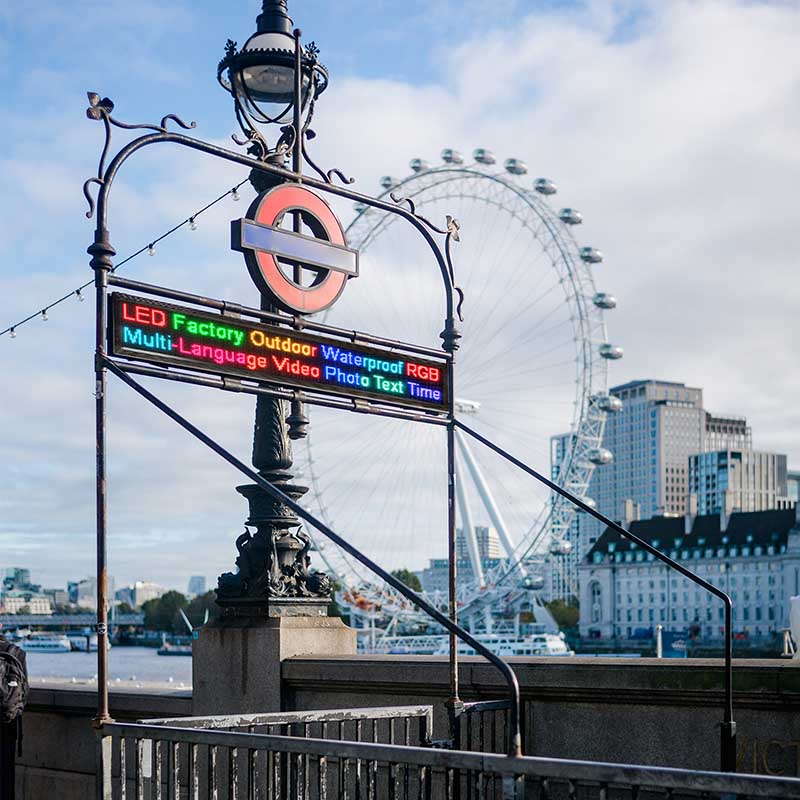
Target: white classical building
[{"x": 753, "y": 556}]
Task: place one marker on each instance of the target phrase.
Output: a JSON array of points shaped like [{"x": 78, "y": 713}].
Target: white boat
[
  {"x": 46, "y": 643},
  {"x": 539, "y": 644}
]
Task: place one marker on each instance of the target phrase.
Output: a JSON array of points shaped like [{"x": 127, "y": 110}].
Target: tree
[
  {"x": 161, "y": 613},
  {"x": 197, "y": 608},
  {"x": 24, "y": 610},
  {"x": 124, "y": 608},
  {"x": 408, "y": 578},
  {"x": 565, "y": 614}
]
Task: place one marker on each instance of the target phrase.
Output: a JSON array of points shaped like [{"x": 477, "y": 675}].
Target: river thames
[{"x": 128, "y": 667}]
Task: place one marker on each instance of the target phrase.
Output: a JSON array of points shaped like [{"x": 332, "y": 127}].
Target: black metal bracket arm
[
  {"x": 728, "y": 726},
  {"x": 514, "y": 738}
]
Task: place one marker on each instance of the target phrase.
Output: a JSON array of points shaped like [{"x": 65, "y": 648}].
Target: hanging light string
[{"x": 11, "y": 330}]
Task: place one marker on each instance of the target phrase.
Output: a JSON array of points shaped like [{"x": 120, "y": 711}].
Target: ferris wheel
[{"x": 531, "y": 372}]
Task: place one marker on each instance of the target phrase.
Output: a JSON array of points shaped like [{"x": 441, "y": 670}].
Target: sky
[{"x": 671, "y": 126}]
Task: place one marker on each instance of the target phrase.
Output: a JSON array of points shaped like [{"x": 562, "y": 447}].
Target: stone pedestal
[{"x": 236, "y": 662}]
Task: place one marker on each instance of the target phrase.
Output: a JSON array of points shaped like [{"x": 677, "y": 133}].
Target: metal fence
[{"x": 177, "y": 762}]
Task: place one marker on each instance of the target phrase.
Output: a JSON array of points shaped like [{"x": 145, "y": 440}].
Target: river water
[{"x": 128, "y": 667}]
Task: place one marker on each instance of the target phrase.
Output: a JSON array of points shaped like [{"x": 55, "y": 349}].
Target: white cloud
[{"x": 672, "y": 126}]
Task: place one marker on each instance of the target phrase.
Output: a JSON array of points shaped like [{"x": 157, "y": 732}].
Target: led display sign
[{"x": 167, "y": 334}]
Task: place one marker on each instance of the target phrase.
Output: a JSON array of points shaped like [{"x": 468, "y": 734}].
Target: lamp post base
[{"x": 236, "y": 662}]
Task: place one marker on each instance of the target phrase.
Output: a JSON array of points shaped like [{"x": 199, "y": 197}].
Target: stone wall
[
  {"x": 625, "y": 710},
  {"x": 634, "y": 711},
  {"x": 58, "y": 747}
]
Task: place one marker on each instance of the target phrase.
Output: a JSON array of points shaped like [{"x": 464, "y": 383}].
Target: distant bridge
[{"x": 62, "y": 621}]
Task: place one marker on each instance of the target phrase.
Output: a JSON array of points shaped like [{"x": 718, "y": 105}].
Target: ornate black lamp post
[{"x": 264, "y": 78}]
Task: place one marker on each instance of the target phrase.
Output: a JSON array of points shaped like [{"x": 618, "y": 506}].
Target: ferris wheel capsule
[
  {"x": 604, "y": 300},
  {"x": 589, "y": 501},
  {"x": 532, "y": 583},
  {"x": 360, "y": 208},
  {"x": 591, "y": 255},
  {"x": 607, "y": 402},
  {"x": 599, "y": 455},
  {"x": 516, "y": 166},
  {"x": 387, "y": 181},
  {"x": 484, "y": 156},
  {"x": 570, "y": 216},
  {"x": 419, "y": 165},
  {"x": 611, "y": 351},
  {"x": 545, "y": 186},
  {"x": 450, "y": 156},
  {"x": 560, "y": 547}
]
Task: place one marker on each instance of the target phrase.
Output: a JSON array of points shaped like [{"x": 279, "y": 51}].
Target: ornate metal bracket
[{"x": 100, "y": 109}]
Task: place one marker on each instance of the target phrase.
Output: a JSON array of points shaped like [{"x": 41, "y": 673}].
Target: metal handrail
[
  {"x": 550, "y": 768},
  {"x": 728, "y": 726},
  {"x": 287, "y": 717},
  {"x": 514, "y": 742}
]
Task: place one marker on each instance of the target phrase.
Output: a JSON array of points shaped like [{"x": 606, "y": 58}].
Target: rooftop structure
[{"x": 752, "y": 556}]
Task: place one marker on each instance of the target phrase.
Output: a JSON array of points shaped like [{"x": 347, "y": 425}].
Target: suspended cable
[{"x": 150, "y": 248}]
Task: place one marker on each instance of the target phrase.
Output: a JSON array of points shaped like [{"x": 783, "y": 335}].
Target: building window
[{"x": 596, "y": 597}]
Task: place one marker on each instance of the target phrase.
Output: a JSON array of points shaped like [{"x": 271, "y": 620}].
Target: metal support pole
[
  {"x": 728, "y": 726},
  {"x": 102, "y": 253},
  {"x": 298, "y": 422},
  {"x": 455, "y": 705}
]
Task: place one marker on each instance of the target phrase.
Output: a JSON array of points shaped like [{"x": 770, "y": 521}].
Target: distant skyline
[{"x": 671, "y": 126}]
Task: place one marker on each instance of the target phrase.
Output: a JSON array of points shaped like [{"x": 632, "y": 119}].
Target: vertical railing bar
[
  {"x": 358, "y": 762},
  {"x": 175, "y": 771},
  {"x": 213, "y": 765},
  {"x": 308, "y": 758},
  {"x": 322, "y": 777},
  {"x": 233, "y": 773},
  {"x": 123, "y": 793},
  {"x": 156, "y": 771},
  {"x": 137, "y": 769},
  {"x": 193, "y": 782}
]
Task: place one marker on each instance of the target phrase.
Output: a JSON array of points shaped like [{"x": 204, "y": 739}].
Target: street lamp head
[{"x": 261, "y": 76}]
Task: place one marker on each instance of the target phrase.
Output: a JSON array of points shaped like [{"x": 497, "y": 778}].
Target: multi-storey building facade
[
  {"x": 487, "y": 539},
  {"x": 659, "y": 426},
  {"x": 793, "y": 485},
  {"x": 727, "y": 433},
  {"x": 12, "y": 601},
  {"x": 435, "y": 577},
  {"x": 754, "y": 557},
  {"x": 737, "y": 480}
]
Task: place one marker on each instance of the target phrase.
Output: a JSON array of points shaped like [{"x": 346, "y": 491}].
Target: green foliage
[
  {"x": 408, "y": 578},
  {"x": 565, "y": 614},
  {"x": 124, "y": 608},
  {"x": 24, "y": 610},
  {"x": 161, "y": 614},
  {"x": 197, "y": 608}
]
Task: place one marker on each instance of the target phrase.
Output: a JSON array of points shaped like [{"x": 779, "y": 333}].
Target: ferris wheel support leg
[
  {"x": 488, "y": 500},
  {"x": 468, "y": 527}
]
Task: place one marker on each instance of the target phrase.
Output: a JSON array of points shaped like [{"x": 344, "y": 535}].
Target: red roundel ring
[{"x": 264, "y": 268}]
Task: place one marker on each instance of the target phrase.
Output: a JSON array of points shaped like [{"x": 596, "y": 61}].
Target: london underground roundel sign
[{"x": 276, "y": 256}]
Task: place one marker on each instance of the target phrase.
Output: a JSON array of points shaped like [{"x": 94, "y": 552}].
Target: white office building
[
  {"x": 737, "y": 480},
  {"x": 753, "y": 556}
]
